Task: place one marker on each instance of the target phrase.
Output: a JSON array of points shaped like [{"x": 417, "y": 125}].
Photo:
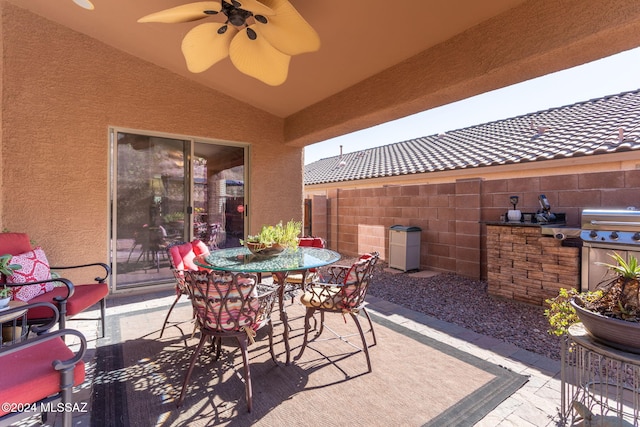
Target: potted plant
[
  {"x": 611, "y": 314},
  {"x": 274, "y": 239},
  {"x": 6, "y": 270}
]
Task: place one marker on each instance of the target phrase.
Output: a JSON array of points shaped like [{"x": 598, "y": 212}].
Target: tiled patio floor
[{"x": 535, "y": 404}]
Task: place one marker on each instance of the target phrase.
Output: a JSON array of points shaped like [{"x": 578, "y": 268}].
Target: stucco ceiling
[{"x": 359, "y": 39}]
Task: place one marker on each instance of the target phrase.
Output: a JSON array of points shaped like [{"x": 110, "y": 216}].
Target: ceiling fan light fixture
[{"x": 274, "y": 31}]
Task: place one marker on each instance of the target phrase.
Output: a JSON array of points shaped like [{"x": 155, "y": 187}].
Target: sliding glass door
[{"x": 167, "y": 190}]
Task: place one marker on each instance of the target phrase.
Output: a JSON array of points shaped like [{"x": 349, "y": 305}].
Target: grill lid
[
  {"x": 612, "y": 226},
  {"x": 611, "y": 219}
]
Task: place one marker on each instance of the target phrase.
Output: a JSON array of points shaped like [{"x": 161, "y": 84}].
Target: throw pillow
[{"x": 35, "y": 267}]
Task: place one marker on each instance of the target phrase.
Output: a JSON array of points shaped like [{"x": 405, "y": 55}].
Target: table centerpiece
[{"x": 272, "y": 240}]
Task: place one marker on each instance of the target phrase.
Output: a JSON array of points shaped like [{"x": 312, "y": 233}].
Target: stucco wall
[
  {"x": 451, "y": 215},
  {"x": 60, "y": 93}
]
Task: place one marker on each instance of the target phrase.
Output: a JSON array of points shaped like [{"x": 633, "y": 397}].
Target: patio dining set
[
  {"x": 228, "y": 297},
  {"x": 230, "y": 301}
]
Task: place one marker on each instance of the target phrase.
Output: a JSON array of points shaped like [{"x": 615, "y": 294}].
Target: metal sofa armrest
[
  {"x": 99, "y": 279},
  {"x": 58, "y": 365},
  {"x": 67, "y": 283},
  {"x": 38, "y": 329}
]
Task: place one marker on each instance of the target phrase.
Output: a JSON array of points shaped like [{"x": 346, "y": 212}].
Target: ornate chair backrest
[
  {"x": 181, "y": 258},
  {"x": 356, "y": 281},
  {"x": 229, "y": 302}
]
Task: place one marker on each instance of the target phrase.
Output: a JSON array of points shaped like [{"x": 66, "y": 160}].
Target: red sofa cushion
[
  {"x": 29, "y": 376},
  {"x": 84, "y": 296},
  {"x": 35, "y": 267}
]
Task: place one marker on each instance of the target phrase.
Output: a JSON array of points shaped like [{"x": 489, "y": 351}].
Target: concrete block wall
[{"x": 453, "y": 215}]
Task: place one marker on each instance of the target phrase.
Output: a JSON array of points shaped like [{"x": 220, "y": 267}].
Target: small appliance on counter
[
  {"x": 514, "y": 215},
  {"x": 542, "y": 216}
]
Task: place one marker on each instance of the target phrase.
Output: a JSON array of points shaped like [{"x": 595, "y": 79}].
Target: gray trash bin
[{"x": 404, "y": 247}]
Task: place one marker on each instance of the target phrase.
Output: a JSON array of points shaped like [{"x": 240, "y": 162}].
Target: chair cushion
[
  {"x": 325, "y": 297},
  {"x": 351, "y": 277},
  {"x": 29, "y": 376},
  {"x": 14, "y": 243},
  {"x": 315, "y": 242},
  {"x": 35, "y": 267},
  {"x": 182, "y": 256},
  {"x": 84, "y": 296},
  {"x": 223, "y": 314},
  {"x": 296, "y": 278}
]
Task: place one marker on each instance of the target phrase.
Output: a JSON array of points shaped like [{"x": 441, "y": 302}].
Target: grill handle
[{"x": 618, "y": 223}]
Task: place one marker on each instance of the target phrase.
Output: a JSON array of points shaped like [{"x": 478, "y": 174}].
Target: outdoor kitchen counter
[{"x": 526, "y": 263}]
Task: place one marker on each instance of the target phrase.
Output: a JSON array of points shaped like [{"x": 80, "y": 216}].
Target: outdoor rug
[{"x": 415, "y": 381}]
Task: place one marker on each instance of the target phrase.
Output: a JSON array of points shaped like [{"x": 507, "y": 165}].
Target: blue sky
[{"x": 608, "y": 76}]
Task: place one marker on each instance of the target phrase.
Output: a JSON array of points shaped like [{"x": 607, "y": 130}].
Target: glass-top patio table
[{"x": 242, "y": 260}]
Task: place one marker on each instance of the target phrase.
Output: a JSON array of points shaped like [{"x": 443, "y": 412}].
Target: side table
[
  {"x": 599, "y": 379},
  {"x": 12, "y": 330}
]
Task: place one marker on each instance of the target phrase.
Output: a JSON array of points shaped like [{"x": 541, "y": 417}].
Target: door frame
[{"x": 112, "y": 192}]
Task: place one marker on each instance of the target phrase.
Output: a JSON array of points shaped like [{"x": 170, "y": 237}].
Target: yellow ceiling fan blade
[
  {"x": 204, "y": 45},
  {"x": 257, "y": 58},
  {"x": 287, "y": 30},
  {"x": 253, "y": 6},
  {"x": 184, "y": 13}
]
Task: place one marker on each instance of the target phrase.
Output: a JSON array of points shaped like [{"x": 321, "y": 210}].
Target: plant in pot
[
  {"x": 611, "y": 314},
  {"x": 272, "y": 240},
  {"x": 6, "y": 270}
]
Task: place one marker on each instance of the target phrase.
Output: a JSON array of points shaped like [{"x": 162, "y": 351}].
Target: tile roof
[{"x": 598, "y": 126}]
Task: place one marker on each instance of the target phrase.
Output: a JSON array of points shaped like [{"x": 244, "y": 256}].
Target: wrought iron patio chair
[
  {"x": 71, "y": 299},
  {"x": 344, "y": 293},
  {"x": 229, "y": 305},
  {"x": 181, "y": 256}
]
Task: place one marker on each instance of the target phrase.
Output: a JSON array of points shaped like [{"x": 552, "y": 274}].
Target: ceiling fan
[{"x": 258, "y": 36}]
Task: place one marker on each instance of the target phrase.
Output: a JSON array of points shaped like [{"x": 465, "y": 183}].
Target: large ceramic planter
[{"x": 615, "y": 333}]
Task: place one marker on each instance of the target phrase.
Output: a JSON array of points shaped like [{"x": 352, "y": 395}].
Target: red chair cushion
[
  {"x": 29, "y": 376},
  {"x": 350, "y": 276},
  {"x": 84, "y": 296},
  {"x": 14, "y": 243},
  {"x": 35, "y": 267},
  {"x": 315, "y": 242},
  {"x": 182, "y": 255}
]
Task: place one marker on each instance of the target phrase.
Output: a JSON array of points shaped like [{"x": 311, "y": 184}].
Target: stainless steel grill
[{"x": 605, "y": 231}]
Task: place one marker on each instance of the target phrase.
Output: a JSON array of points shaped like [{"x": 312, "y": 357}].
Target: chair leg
[
  {"x": 103, "y": 317},
  {"x": 131, "y": 251},
  {"x": 217, "y": 344},
  {"x": 273, "y": 354},
  {"x": 187, "y": 377},
  {"x": 166, "y": 319},
  {"x": 242, "y": 341},
  {"x": 307, "y": 326},
  {"x": 365, "y": 347},
  {"x": 321, "y": 324},
  {"x": 373, "y": 333}
]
